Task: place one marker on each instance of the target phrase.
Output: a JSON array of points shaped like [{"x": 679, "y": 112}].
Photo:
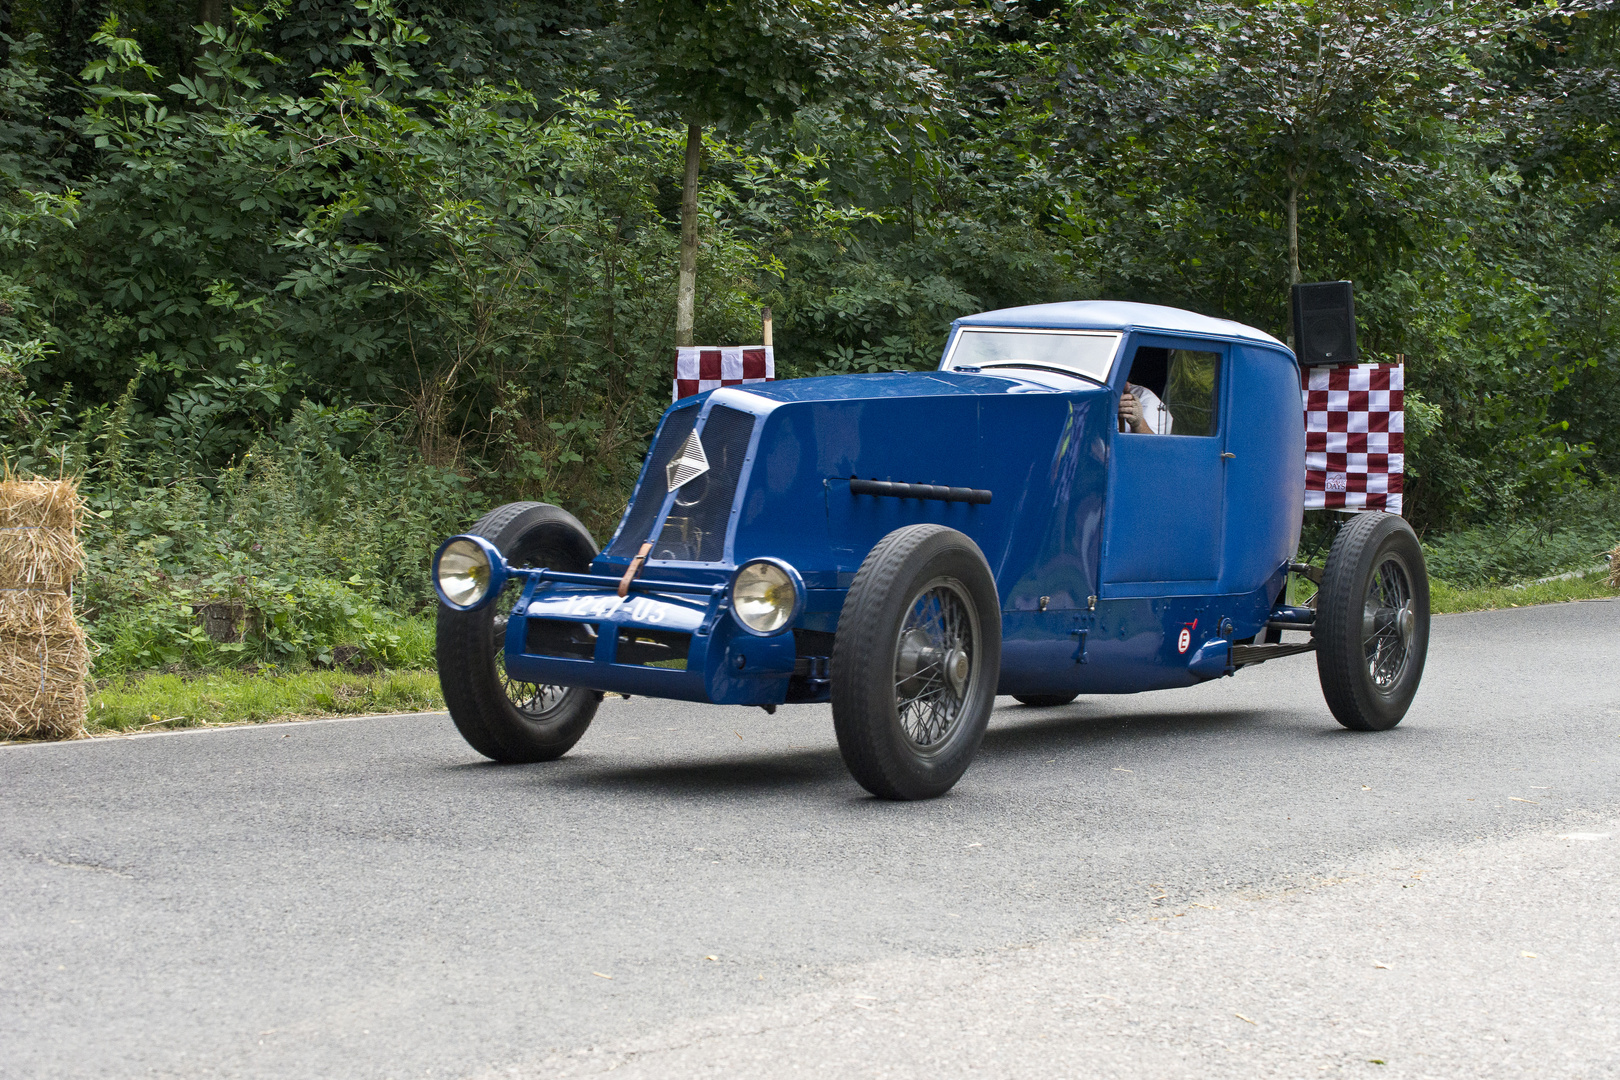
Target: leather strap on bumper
[{"x": 634, "y": 568}]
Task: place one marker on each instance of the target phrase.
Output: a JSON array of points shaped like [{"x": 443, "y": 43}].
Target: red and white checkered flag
[
  {"x": 707, "y": 367},
  {"x": 1355, "y": 437}
]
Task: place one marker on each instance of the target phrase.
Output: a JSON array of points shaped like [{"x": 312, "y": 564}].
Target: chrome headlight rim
[
  {"x": 798, "y": 596},
  {"x": 497, "y": 572}
]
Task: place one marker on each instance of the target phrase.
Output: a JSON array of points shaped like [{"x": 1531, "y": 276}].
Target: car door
[{"x": 1164, "y": 522}]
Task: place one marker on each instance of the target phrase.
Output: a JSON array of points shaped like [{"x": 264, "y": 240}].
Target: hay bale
[
  {"x": 34, "y": 557},
  {"x": 1614, "y": 567},
  {"x": 44, "y": 660},
  {"x": 49, "y": 504},
  {"x": 33, "y": 613},
  {"x": 43, "y": 680}
]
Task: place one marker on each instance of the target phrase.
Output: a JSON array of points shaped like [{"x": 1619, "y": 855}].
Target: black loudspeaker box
[{"x": 1325, "y": 324}]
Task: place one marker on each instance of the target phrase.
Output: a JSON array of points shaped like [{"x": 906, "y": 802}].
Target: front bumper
[{"x": 665, "y": 639}]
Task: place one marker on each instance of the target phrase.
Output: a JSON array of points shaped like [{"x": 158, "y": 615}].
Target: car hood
[
  {"x": 898, "y": 384},
  {"x": 780, "y": 458}
]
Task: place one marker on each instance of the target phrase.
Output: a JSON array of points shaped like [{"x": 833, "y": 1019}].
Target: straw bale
[
  {"x": 35, "y": 613},
  {"x": 36, "y": 557},
  {"x": 54, "y": 504},
  {"x": 43, "y": 685},
  {"x": 44, "y": 661},
  {"x": 39, "y": 524},
  {"x": 1614, "y": 567}
]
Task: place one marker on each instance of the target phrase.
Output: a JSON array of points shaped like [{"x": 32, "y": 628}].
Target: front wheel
[
  {"x": 500, "y": 717},
  {"x": 1372, "y": 622},
  {"x": 915, "y": 662}
]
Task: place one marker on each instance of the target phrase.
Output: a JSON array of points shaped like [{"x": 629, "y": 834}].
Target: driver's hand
[{"x": 1130, "y": 412}]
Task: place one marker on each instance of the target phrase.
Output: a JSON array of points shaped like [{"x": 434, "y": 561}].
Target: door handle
[{"x": 1228, "y": 454}]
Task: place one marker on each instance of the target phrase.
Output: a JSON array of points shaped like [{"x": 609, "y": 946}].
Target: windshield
[{"x": 1088, "y": 354}]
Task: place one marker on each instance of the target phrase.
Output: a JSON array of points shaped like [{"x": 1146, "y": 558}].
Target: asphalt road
[{"x": 1207, "y": 882}]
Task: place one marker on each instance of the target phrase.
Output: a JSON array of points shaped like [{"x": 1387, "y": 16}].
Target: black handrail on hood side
[{"x": 935, "y": 492}]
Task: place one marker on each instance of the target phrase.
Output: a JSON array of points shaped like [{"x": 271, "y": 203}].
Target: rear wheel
[
  {"x": 1044, "y": 701},
  {"x": 1372, "y": 622},
  {"x": 915, "y": 662},
  {"x": 500, "y": 717}
]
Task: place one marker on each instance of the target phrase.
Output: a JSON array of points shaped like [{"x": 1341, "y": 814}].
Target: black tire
[
  {"x": 503, "y": 720},
  {"x": 1044, "y": 701},
  {"x": 923, "y": 606},
  {"x": 1372, "y": 622}
]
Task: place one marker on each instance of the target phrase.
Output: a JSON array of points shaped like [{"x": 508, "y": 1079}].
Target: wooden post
[
  {"x": 686, "y": 279},
  {"x": 767, "y": 328}
]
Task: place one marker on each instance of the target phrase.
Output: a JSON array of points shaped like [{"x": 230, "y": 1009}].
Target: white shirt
[{"x": 1154, "y": 414}]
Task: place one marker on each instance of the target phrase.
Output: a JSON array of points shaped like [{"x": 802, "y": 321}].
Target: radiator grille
[
  {"x": 649, "y": 497},
  {"x": 695, "y": 530}
]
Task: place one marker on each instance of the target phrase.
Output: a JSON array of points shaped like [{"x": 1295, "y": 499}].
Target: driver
[{"x": 1141, "y": 411}]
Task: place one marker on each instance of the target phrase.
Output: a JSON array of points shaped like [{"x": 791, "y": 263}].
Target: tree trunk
[
  {"x": 686, "y": 290},
  {"x": 1293, "y": 234},
  {"x": 612, "y": 316}
]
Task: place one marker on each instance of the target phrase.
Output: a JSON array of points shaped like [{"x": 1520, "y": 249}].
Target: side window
[{"x": 1189, "y": 391}]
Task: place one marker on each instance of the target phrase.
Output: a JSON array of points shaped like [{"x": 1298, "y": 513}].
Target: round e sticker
[{"x": 1184, "y": 641}]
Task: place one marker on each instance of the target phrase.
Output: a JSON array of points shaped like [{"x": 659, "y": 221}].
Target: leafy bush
[
  {"x": 1581, "y": 529},
  {"x": 1572, "y": 534},
  {"x": 323, "y": 548}
]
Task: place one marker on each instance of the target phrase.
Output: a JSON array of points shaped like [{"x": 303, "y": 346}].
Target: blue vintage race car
[{"x": 1084, "y": 498}]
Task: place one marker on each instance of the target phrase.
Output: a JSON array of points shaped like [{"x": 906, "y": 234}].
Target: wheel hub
[
  {"x": 957, "y": 670},
  {"x": 1406, "y": 623},
  {"x": 917, "y": 654}
]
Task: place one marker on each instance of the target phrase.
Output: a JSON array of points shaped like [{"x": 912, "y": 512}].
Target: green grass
[
  {"x": 1447, "y": 599},
  {"x": 158, "y": 702}
]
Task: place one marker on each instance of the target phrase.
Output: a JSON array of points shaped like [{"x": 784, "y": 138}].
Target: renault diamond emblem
[{"x": 689, "y": 465}]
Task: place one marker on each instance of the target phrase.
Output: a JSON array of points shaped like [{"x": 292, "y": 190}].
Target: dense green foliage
[{"x": 298, "y": 289}]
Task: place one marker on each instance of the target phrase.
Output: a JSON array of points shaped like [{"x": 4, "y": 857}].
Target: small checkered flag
[
  {"x": 706, "y": 367},
  {"x": 1355, "y": 437}
]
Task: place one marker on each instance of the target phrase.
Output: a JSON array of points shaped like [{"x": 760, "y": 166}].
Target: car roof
[{"x": 1117, "y": 315}]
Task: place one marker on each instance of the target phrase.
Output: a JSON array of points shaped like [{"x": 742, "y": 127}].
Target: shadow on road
[
  {"x": 1016, "y": 732},
  {"x": 1021, "y": 728},
  {"x": 751, "y": 774},
  {"x": 1027, "y": 730}
]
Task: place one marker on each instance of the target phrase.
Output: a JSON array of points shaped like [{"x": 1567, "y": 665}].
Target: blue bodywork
[{"x": 1105, "y": 546}]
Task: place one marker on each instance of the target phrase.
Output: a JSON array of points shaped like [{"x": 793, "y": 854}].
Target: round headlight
[
  {"x": 764, "y": 597},
  {"x": 463, "y": 573}
]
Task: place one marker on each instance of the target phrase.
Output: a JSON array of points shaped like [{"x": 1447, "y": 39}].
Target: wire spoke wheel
[
  {"x": 915, "y": 662},
  {"x": 504, "y": 718},
  {"x": 933, "y": 663},
  {"x": 535, "y": 701},
  {"x": 1387, "y": 624},
  {"x": 1372, "y": 622}
]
